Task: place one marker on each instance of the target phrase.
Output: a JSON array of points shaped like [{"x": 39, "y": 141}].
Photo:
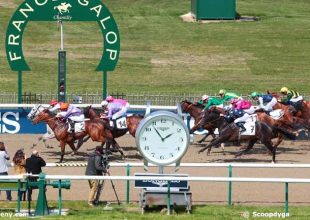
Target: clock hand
[
  {"x": 168, "y": 136},
  {"x": 159, "y": 134}
]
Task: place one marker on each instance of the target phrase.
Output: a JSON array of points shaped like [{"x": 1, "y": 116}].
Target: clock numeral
[
  {"x": 154, "y": 122},
  {"x": 148, "y": 129},
  {"x": 171, "y": 154},
  {"x": 162, "y": 157},
  {"x": 178, "y": 148},
  {"x": 179, "y": 130},
  {"x": 146, "y": 148},
  {"x": 163, "y": 121},
  {"x": 181, "y": 139},
  {"x": 153, "y": 154},
  {"x": 144, "y": 138}
]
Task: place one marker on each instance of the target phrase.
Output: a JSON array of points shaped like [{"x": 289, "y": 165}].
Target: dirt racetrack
[{"x": 206, "y": 192}]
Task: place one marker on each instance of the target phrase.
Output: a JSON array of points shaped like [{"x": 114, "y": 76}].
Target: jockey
[
  {"x": 71, "y": 112},
  {"x": 266, "y": 102},
  {"x": 116, "y": 107},
  {"x": 203, "y": 100},
  {"x": 227, "y": 96},
  {"x": 208, "y": 101},
  {"x": 211, "y": 101},
  {"x": 54, "y": 105},
  {"x": 292, "y": 98},
  {"x": 239, "y": 113}
]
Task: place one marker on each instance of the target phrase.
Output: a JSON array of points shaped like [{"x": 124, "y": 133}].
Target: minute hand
[
  {"x": 168, "y": 136},
  {"x": 162, "y": 139}
]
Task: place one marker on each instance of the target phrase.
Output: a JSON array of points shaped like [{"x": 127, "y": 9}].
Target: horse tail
[{"x": 285, "y": 132}]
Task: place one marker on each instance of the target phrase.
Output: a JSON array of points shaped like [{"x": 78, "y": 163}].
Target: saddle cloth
[
  {"x": 250, "y": 125},
  {"x": 79, "y": 126},
  {"x": 276, "y": 114},
  {"x": 119, "y": 123}
]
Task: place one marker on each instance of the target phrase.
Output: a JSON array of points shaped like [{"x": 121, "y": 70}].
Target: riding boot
[
  {"x": 241, "y": 126},
  {"x": 71, "y": 125}
]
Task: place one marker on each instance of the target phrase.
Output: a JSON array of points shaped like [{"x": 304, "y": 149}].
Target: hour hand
[
  {"x": 168, "y": 136},
  {"x": 159, "y": 134}
]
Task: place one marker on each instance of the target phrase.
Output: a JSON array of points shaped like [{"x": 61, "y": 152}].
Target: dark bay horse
[
  {"x": 195, "y": 110},
  {"x": 132, "y": 123},
  {"x": 94, "y": 128},
  {"x": 230, "y": 133}
]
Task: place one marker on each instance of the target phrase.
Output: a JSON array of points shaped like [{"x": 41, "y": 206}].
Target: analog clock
[{"x": 162, "y": 138}]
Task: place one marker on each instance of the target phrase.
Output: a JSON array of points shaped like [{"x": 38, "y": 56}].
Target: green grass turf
[
  {"x": 80, "y": 210},
  {"x": 161, "y": 53}
]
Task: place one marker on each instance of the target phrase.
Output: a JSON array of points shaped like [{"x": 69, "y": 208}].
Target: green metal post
[
  {"x": 169, "y": 199},
  {"x": 286, "y": 197},
  {"x": 59, "y": 197},
  {"x": 127, "y": 183},
  {"x": 41, "y": 207},
  {"x": 229, "y": 184},
  {"x": 104, "y": 84},
  {"x": 18, "y": 195},
  {"x": 20, "y": 87}
]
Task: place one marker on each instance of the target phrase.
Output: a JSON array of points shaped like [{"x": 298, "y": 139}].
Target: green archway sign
[{"x": 66, "y": 11}]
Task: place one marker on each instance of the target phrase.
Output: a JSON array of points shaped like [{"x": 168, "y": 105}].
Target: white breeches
[
  {"x": 299, "y": 98},
  {"x": 242, "y": 118},
  {"x": 251, "y": 110},
  {"x": 269, "y": 105},
  {"x": 77, "y": 118},
  {"x": 121, "y": 112}
]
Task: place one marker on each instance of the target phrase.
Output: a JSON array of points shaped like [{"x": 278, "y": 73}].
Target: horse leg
[
  {"x": 80, "y": 142},
  {"x": 273, "y": 150},
  {"x": 35, "y": 144},
  {"x": 212, "y": 143},
  {"x": 249, "y": 147},
  {"x": 74, "y": 150},
  {"x": 203, "y": 138},
  {"x": 117, "y": 147},
  {"x": 62, "y": 151},
  {"x": 223, "y": 148}
]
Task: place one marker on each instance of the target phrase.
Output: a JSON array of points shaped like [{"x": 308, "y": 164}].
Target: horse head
[
  {"x": 185, "y": 105},
  {"x": 43, "y": 115},
  {"x": 35, "y": 111}
]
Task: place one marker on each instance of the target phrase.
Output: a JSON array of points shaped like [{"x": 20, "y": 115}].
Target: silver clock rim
[{"x": 150, "y": 117}]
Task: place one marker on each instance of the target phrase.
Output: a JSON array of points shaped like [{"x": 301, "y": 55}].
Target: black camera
[{"x": 105, "y": 161}]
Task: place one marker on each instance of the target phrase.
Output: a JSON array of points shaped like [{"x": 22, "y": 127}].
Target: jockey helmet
[
  {"x": 53, "y": 102},
  {"x": 109, "y": 98},
  {"x": 222, "y": 92},
  {"x": 104, "y": 103},
  {"x": 234, "y": 101},
  {"x": 284, "y": 90},
  {"x": 254, "y": 94},
  {"x": 204, "y": 97},
  {"x": 64, "y": 106}
]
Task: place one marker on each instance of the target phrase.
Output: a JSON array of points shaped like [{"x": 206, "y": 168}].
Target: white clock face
[{"x": 163, "y": 138}]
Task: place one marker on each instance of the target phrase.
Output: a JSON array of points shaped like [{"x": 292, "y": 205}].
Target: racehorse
[
  {"x": 94, "y": 128},
  {"x": 132, "y": 123},
  {"x": 195, "y": 111},
  {"x": 230, "y": 133},
  {"x": 49, "y": 132}
]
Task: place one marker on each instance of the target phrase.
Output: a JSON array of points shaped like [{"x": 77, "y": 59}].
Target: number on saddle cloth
[{"x": 119, "y": 123}]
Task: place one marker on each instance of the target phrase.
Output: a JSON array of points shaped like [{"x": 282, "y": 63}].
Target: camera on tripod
[{"x": 105, "y": 161}]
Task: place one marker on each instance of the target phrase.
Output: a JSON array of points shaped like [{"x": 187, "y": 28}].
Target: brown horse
[
  {"x": 230, "y": 133},
  {"x": 132, "y": 123},
  {"x": 94, "y": 128},
  {"x": 195, "y": 110}
]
